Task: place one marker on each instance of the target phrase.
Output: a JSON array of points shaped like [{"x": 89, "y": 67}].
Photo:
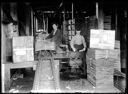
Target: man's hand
[
  {"x": 74, "y": 49},
  {"x": 82, "y": 50}
]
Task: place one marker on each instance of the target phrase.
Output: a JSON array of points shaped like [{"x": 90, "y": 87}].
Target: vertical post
[
  {"x": 36, "y": 24},
  {"x": 57, "y": 77},
  {"x": 13, "y": 13},
  {"x": 7, "y": 76},
  {"x": 116, "y": 21},
  {"x": 72, "y": 20},
  {"x": 27, "y": 17},
  {"x": 72, "y": 12},
  {"x": 34, "y": 29},
  {"x": 97, "y": 10},
  {"x": 32, "y": 22},
  {"x": 100, "y": 15},
  {"x": 3, "y": 52},
  {"x": 44, "y": 21},
  {"x": 47, "y": 26}
]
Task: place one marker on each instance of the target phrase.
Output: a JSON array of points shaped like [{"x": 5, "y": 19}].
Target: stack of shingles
[
  {"x": 107, "y": 22},
  {"x": 100, "y": 66}
]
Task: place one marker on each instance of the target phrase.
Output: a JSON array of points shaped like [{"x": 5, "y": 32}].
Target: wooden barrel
[{"x": 44, "y": 80}]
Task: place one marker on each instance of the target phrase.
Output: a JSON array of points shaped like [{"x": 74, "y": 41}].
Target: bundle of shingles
[{"x": 100, "y": 66}]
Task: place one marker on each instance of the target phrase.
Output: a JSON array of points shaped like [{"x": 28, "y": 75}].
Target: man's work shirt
[
  {"x": 55, "y": 37},
  {"x": 78, "y": 42}
]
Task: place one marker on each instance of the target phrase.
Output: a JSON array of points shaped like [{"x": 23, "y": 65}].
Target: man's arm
[
  {"x": 49, "y": 35},
  {"x": 84, "y": 43},
  {"x": 72, "y": 44}
]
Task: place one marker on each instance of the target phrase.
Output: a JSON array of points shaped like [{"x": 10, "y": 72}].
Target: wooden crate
[
  {"x": 102, "y": 53},
  {"x": 44, "y": 45},
  {"x": 102, "y": 39},
  {"x": 23, "y": 49},
  {"x": 23, "y": 42},
  {"x": 100, "y": 68},
  {"x": 100, "y": 72}
]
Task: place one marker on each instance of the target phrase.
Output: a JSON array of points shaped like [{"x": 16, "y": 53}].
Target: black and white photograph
[{"x": 64, "y": 46}]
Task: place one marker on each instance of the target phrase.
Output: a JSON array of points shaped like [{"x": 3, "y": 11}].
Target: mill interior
[{"x": 63, "y": 46}]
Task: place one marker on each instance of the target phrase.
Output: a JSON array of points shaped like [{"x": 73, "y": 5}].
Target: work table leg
[
  {"x": 56, "y": 74},
  {"x": 7, "y": 77}
]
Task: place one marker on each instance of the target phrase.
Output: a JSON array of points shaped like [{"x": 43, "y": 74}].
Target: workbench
[
  {"x": 10, "y": 65},
  {"x": 17, "y": 65}
]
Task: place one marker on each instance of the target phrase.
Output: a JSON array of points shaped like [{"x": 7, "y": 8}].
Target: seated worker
[{"x": 78, "y": 45}]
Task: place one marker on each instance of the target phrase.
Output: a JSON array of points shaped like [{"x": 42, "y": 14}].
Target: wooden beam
[
  {"x": 100, "y": 15},
  {"x": 3, "y": 50}
]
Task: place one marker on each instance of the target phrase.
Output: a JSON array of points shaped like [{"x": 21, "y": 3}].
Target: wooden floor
[
  {"x": 82, "y": 85},
  {"x": 74, "y": 84}
]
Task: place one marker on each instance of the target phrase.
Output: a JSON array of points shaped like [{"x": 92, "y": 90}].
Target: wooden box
[
  {"x": 102, "y": 53},
  {"x": 44, "y": 45},
  {"x": 100, "y": 66},
  {"x": 100, "y": 72},
  {"x": 23, "y": 49},
  {"x": 102, "y": 39}
]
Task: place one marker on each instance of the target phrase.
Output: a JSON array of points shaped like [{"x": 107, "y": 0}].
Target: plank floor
[{"x": 69, "y": 84}]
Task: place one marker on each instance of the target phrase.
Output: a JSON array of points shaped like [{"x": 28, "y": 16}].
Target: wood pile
[
  {"x": 23, "y": 49},
  {"x": 100, "y": 66}
]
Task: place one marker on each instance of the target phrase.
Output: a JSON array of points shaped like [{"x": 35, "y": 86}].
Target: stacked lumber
[
  {"x": 100, "y": 66},
  {"x": 23, "y": 49}
]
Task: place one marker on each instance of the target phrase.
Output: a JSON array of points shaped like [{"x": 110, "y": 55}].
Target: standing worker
[{"x": 78, "y": 45}]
